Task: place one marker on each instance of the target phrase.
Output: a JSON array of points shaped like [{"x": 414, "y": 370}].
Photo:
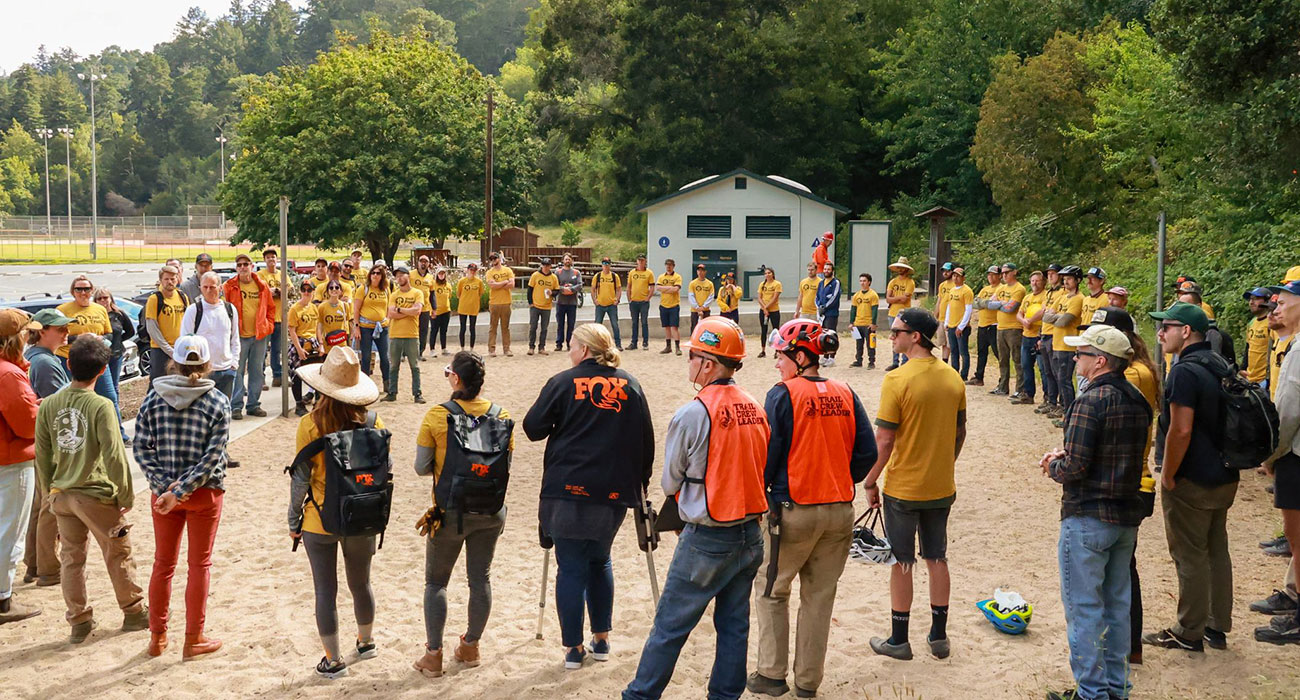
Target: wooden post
[
  {"x": 487, "y": 197},
  {"x": 284, "y": 304},
  {"x": 940, "y": 250}
]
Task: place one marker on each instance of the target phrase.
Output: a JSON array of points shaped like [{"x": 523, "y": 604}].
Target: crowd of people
[{"x": 760, "y": 492}]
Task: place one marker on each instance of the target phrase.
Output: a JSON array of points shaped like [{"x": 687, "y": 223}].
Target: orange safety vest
[
  {"x": 822, "y": 443},
  {"x": 738, "y": 434}
]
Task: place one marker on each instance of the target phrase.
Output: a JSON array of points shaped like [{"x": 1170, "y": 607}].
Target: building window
[
  {"x": 708, "y": 227},
  {"x": 742, "y": 183},
  {"x": 767, "y": 227}
]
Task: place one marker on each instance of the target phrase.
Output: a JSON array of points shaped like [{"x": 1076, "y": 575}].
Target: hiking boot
[
  {"x": 1272, "y": 542},
  {"x": 13, "y": 612},
  {"x": 509, "y": 354},
  {"x": 892, "y": 367},
  {"x": 1166, "y": 639},
  {"x": 331, "y": 669},
  {"x": 871, "y": 365},
  {"x": 257, "y": 412},
  {"x": 1059, "y": 422},
  {"x": 1286, "y": 633},
  {"x": 902, "y": 652},
  {"x": 758, "y": 683},
  {"x": 574, "y": 657},
  {"x": 467, "y": 653},
  {"x": 429, "y": 665},
  {"x": 1279, "y": 550},
  {"x": 939, "y": 647},
  {"x": 367, "y": 650},
  {"x": 530, "y": 351},
  {"x": 665, "y": 351},
  {"x": 1043, "y": 407},
  {"x": 389, "y": 398},
  {"x": 542, "y": 351},
  {"x": 803, "y": 693},
  {"x": 678, "y": 350},
  {"x": 275, "y": 381},
  {"x": 761, "y": 353},
  {"x": 856, "y": 363},
  {"x": 1281, "y": 622},
  {"x": 1071, "y": 694},
  {"x": 136, "y": 621},
  {"x": 1215, "y": 639},
  {"x": 419, "y": 398},
  {"x": 974, "y": 382},
  {"x": 599, "y": 649},
  {"x": 29, "y": 576},
  {"x": 1277, "y": 603},
  {"x": 1135, "y": 658},
  {"x": 299, "y": 409},
  {"x": 157, "y": 643},
  {"x": 198, "y": 645},
  {"x": 80, "y": 631},
  {"x": 237, "y": 414},
  {"x": 1023, "y": 401},
  {"x": 51, "y": 580}
]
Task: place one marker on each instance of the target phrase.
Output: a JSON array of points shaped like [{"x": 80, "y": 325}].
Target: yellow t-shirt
[
  {"x": 1009, "y": 294},
  {"x": 769, "y": 295},
  {"x": 900, "y": 287},
  {"x": 808, "y": 295},
  {"x": 701, "y": 293},
  {"x": 863, "y": 304},
  {"x": 469, "y": 296},
  {"x": 168, "y": 317},
  {"x": 987, "y": 317},
  {"x": 920, "y": 401},
  {"x": 728, "y": 297},
  {"x": 638, "y": 284},
  {"x": 1072, "y": 305},
  {"x": 85, "y": 319},
  {"x": 499, "y": 274},
  {"x": 406, "y": 326},
  {"x": 422, "y": 283},
  {"x": 316, "y": 282},
  {"x": 543, "y": 287},
  {"x": 941, "y": 299},
  {"x": 441, "y": 294},
  {"x": 433, "y": 430},
  {"x": 1032, "y": 304},
  {"x": 1145, "y": 380},
  {"x": 670, "y": 300},
  {"x": 251, "y": 293},
  {"x": 302, "y": 319},
  {"x": 1280, "y": 348},
  {"x": 606, "y": 286},
  {"x": 1049, "y": 303},
  {"x": 1091, "y": 304},
  {"x": 307, "y": 432},
  {"x": 374, "y": 305},
  {"x": 1257, "y": 340},
  {"x": 349, "y": 290},
  {"x": 334, "y": 317},
  {"x": 958, "y": 299},
  {"x": 272, "y": 280},
  {"x": 1209, "y": 310}
]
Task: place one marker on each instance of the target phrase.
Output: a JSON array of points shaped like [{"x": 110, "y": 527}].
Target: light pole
[
  {"x": 45, "y": 135},
  {"x": 66, "y": 131},
  {"x": 94, "y": 158},
  {"x": 222, "y": 140}
]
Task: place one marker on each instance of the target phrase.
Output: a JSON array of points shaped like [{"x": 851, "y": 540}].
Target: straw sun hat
[
  {"x": 901, "y": 265},
  {"x": 339, "y": 377}
]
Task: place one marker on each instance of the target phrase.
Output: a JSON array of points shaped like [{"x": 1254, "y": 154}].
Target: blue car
[{"x": 133, "y": 365}]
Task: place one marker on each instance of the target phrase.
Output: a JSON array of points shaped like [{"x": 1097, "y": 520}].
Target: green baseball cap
[
  {"x": 1187, "y": 314},
  {"x": 51, "y": 317},
  {"x": 1006, "y": 267}
]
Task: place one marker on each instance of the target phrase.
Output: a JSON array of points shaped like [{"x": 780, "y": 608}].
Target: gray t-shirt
[{"x": 569, "y": 279}]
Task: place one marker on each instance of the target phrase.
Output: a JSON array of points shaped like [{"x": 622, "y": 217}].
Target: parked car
[{"x": 133, "y": 365}]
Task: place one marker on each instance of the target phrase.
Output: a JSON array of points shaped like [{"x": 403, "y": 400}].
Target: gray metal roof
[{"x": 699, "y": 184}]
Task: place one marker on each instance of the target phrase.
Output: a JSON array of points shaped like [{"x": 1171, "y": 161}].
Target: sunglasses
[
  {"x": 893, "y": 332},
  {"x": 447, "y": 371},
  {"x": 1081, "y": 353},
  {"x": 1166, "y": 325},
  {"x": 334, "y": 288},
  {"x": 82, "y": 289},
  {"x": 244, "y": 264},
  {"x": 101, "y": 298}
]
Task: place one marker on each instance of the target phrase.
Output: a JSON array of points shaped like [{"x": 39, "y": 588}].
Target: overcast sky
[{"x": 88, "y": 26}]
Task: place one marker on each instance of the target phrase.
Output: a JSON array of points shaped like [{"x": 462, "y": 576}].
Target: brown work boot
[
  {"x": 11, "y": 611},
  {"x": 136, "y": 621},
  {"x": 197, "y": 644},
  {"x": 430, "y": 665},
  {"x": 467, "y": 653},
  {"x": 157, "y": 643}
]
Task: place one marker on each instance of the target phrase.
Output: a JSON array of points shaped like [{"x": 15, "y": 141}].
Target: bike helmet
[
  {"x": 1073, "y": 270},
  {"x": 806, "y": 334},
  {"x": 1008, "y": 611},
  {"x": 868, "y": 547}
]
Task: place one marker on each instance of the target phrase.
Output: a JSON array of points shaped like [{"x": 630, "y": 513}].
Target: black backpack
[
  {"x": 358, "y": 480},
  {"x": 198, "y": 314},
  {"x": 476, "y": 470},
  {"x": 142, "y": 339},
  {"x": 1248, "y": 422}
]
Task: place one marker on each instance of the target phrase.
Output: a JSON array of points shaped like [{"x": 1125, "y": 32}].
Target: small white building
[{"x": 740, "y": 221}]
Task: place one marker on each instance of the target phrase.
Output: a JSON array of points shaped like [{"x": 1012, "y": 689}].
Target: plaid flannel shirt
[
  {"x": 1105, "y": 440},
  {"x": 186, "y": 447}
]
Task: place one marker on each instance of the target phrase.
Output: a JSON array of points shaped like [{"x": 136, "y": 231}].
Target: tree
[{"x": 373, "y": 144}]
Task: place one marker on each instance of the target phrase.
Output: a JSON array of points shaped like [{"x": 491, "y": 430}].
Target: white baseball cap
[
  {"x": 1107, "y": 339},
  {"x": 191, "y": 350}
]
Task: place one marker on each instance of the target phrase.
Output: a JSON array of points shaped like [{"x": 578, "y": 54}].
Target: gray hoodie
[{"x": 178, "y": 392}]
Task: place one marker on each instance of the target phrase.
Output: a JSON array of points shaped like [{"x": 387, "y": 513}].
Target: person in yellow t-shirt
[
  {"x": 542, "y": 286},
  {"x": 1096, "y": 297},
  {"x": 959, "y": 309},
  {"x": 1006, "y": 300},
  {"x": 1030, "y": 318},
  {"x": 729, "y": 298},
  {"x": 421, "y": 279},
  {"x": 163, "y": 320},
  {"x": 807, "y": 305},
  {"x": 606, "y": 290},
  {"x": 304, "y": 346},
  {"x": 335, "y": 273},
  {"x": 701, "y": 290},
  {"x": 469, "y": 301},
  {"x": 320, "y": 276},
  {"x": 270, "y": 274},
  {"x": 1064, "y": 315},
  {"x": 898, "y": 294},
  {"x": 89, "y": 317},
  {"x": 941, "y": 308},
  {"x": 1254, "y": 366},
  {"x": 669, "y": 288},
  {"x": 769, "y": 306},
  {"x": 370, "y": 309},
  {"x": 921, "y": 428},
  {"x": 1051, "y": 392},
  {"x": 500, "y": 280},
  {"x": 640, "y": 286},
  {"x": 986, "y": 327},
  {"x": 863, "y": 308},
  {"x": 440, "y": 290},
  {"x": 334, "y": 314},
  {"x": 405, "y": 305}
]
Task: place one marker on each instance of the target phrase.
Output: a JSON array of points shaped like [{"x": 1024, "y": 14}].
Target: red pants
[{"x": 199, "y": 514}]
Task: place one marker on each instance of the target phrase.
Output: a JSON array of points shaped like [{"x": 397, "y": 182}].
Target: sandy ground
[{"x": 1003, "y": 533}]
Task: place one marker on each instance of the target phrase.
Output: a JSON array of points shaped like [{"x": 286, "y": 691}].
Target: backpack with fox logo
[
  {"x": 358, "y": 480},
  {"x": 1248, "y": 425},
  {"x": 476, "y": 469}
]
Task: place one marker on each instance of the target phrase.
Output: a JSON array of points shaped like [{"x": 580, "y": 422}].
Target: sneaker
[
  {"x": 939, "y": 647},
  {"x": 80, "y": 631},
  {"x": 620, "y": 347},
  {"x": 542, "y": 351},
  {"x": 559, "y": 347},
  {"x": 419, "y": 399},
  {"x": 257, "y": 412},
  {"x": 1277, "y": 603},
  {"x": 830, "y": 362},
  {"x": 29, "y": 576},
  {"x": 12, "y": 611},
  {"x": 367, "y": 650},
  {"x": 389, "y": 398},
  {"x": 998, "y": 392},
  {"x": 509, "y": 354},
  {"x": 136, "y": 621},
  {"x": 1058, "y": 422},
  {"x": 237, "y": 414},
  {"x": 1070, "y": 694},
  {"x": 1015, "y": 395},
  {"x": 492, "y": 353},
  {"x": 855, "y": 363},
  {"x": 331, "y": 669},
  {"x": 1272, "y": 542},
  {"x": 902, "y": 652},
  {"x": 758, "y": 683},
  {"x": 445, "y": 351},
  {"x": 761, "y": 353},
  {"x": 1281, "y": 622},
  {"x": 530, "y": 351},
  {"x": 645, "y": 346},
  {"x": 574, "y": 657},
  {"x": 1215, "y": 639},
  {"x": 1279, "y": 550},
  {"x": 1023, "y": 401},
  {"x": 1288, "y": 633},
  {"x": 1043, "y": 407},
  {"x": 600, "y": 649},
  {"x": 467, "y": 653},
  {"x": 1166, "y": 639}
]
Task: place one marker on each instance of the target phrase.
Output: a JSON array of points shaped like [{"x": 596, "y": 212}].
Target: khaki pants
[
  {"x": 1196, "y": 519},
  {"x": 79, "y": 516},
  {"x": 41, "y": 555},
  {"x": 814, "y": 546},
  {"x": 498, "y": 314},
  {"x": 1009, "y": 354}
]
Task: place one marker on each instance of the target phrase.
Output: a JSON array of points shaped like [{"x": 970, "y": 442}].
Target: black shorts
[
  {"x": 831, "y": 322},
  {"x": 903, "y": 521},
  {"x": 670, "y": 317},
  {"x": 1286, "y": 482}
]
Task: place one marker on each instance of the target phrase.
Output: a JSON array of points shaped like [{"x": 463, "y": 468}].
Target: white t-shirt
[{"x": 216, "y": 328}]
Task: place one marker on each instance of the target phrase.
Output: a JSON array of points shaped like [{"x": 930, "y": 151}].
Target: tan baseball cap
[{"x": 1107, "y": 339}]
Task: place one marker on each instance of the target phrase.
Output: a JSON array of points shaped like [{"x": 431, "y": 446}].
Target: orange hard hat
[{"x": 718, "y": 336}]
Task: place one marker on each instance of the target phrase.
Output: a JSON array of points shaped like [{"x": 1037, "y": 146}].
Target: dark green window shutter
[
  {"x": 767, "y": 227},
  {"x": 708, "y": 227}
]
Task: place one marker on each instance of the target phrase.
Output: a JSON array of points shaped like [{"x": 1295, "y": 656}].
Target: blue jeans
[
  {"x": 959, "y": 351},
  {"x": 641, "y": 314},
  {"x": 611, "y": 311},
  {"x": 1028, "y": 354},
  {"x": 711, "y": 564},
  {"x": 372, "y": 339},
  {"x": 566, "y": 315},
  {"x": 225, "y": 381},
  {"x": 584, "y": 574},
  {"x": 1096, "y": 592},
  {"x": 1051, "y": 391},
  {"x": 17, "y": 484},
  {"x": 252, "y": 370},
  {"x": 276, "y": 337}
]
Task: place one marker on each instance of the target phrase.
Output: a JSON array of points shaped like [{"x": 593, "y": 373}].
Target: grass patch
[{"x": 62, "y": 253}]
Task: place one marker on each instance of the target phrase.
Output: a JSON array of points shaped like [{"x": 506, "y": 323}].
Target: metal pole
[
  {"x": 94, "y": 175},
  {"x": 45, "y": 134},
  {"x": 284, "y": 302},
  {"x": 1160, "y": 286},
  {"x": 487, "y": 213},
  {"x": 67, "y": 147}
]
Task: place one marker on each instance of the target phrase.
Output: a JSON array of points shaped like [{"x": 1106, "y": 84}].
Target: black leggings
[
  {"x": 765, "y": 319},
  {"x": 438, "y": 330},
  {"x": 473, "y": 328},
  {"x": 322, "y": 553}
]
